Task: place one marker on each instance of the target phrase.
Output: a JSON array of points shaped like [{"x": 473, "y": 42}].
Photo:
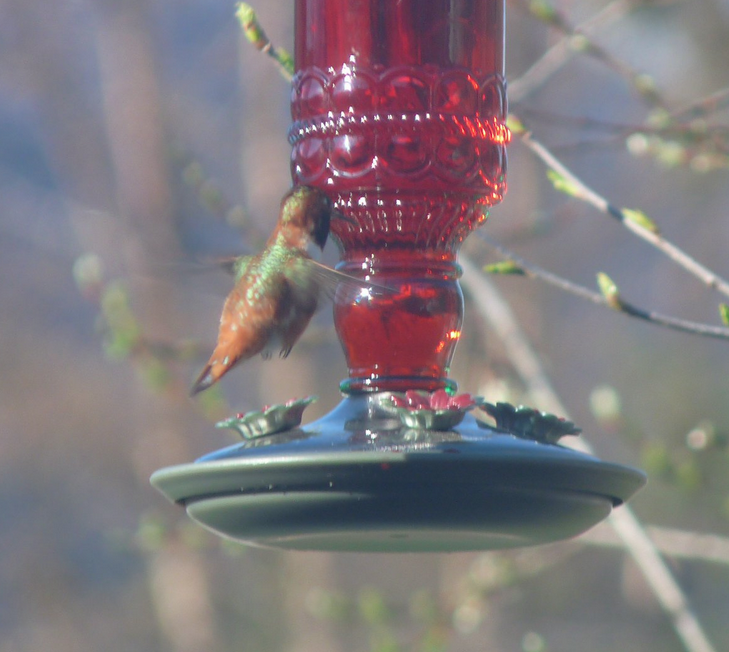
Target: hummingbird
[{"x": 277, "y": 290}]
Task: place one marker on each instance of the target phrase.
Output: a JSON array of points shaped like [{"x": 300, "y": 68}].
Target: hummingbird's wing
[
  {"x": 328, "y": 280},
  {"x": 234, "y": 265},
  {"x": 227, "y": 264}
]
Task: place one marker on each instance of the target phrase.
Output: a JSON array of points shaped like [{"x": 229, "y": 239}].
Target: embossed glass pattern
[{"x": 398, "y": 112}]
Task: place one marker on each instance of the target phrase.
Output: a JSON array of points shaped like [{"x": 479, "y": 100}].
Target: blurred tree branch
[
  {"x": 671, "y": 542},
  {"x": 574, "y": 40},
  {"x": 497, "y": 313},
  {"x": 179, "y": 583},
  {"x": 609, "y": 297},
  {"x": 635, "y": 221},
  {"x": 254, "y": 33}
]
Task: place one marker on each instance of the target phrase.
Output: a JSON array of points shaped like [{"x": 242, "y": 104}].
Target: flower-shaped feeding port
[
  {"x": 438, "y": 410},
  {"x": 399, "y": 115},
  {"x": 528, "y": 423},
  {"x": 271, "y": 420}
]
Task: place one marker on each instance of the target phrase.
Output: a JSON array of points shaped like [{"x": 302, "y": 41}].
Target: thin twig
[
  {"x": 255, "y": 34},
  {"x": 675, "y": 122},
  {"x": 703, "y": 106},
  {"x": 577, "y": 39},
  {"x": 674, "y": 323},
  {"x": 679, "y": 544},
  {"x": 668, "y": 128},
  {"x": 582, "y": 191},
  {"x": 562, "y": 51},
  {"x": 495, "y": 311}
]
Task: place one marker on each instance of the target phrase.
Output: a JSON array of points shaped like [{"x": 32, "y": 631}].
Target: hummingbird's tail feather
[
  {"x": 205, "y": 379},
  {"x": 220, "y": 363}
]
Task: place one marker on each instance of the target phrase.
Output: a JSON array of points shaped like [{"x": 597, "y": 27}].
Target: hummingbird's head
[{"x": 307, "y": 210}]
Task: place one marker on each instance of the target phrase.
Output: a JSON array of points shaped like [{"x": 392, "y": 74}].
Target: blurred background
[{"x": 140, "y": 138}]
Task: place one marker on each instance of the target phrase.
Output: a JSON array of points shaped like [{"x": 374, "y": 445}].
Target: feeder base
[{"x": 357, "y": 480}]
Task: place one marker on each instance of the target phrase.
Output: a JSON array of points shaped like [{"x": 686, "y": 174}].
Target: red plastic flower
[
  {"x": 436, "y": 411},
  {"x": 440, "y": 399}
]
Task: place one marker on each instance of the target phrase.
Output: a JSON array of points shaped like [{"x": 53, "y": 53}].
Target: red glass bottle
[{"x": 399, "y": 110}]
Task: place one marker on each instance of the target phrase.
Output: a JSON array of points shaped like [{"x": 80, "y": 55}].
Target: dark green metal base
[{"x": 357, "y": 480}]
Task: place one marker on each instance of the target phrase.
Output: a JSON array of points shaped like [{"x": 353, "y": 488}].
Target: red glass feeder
[{"x": 399, "y": 111}]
